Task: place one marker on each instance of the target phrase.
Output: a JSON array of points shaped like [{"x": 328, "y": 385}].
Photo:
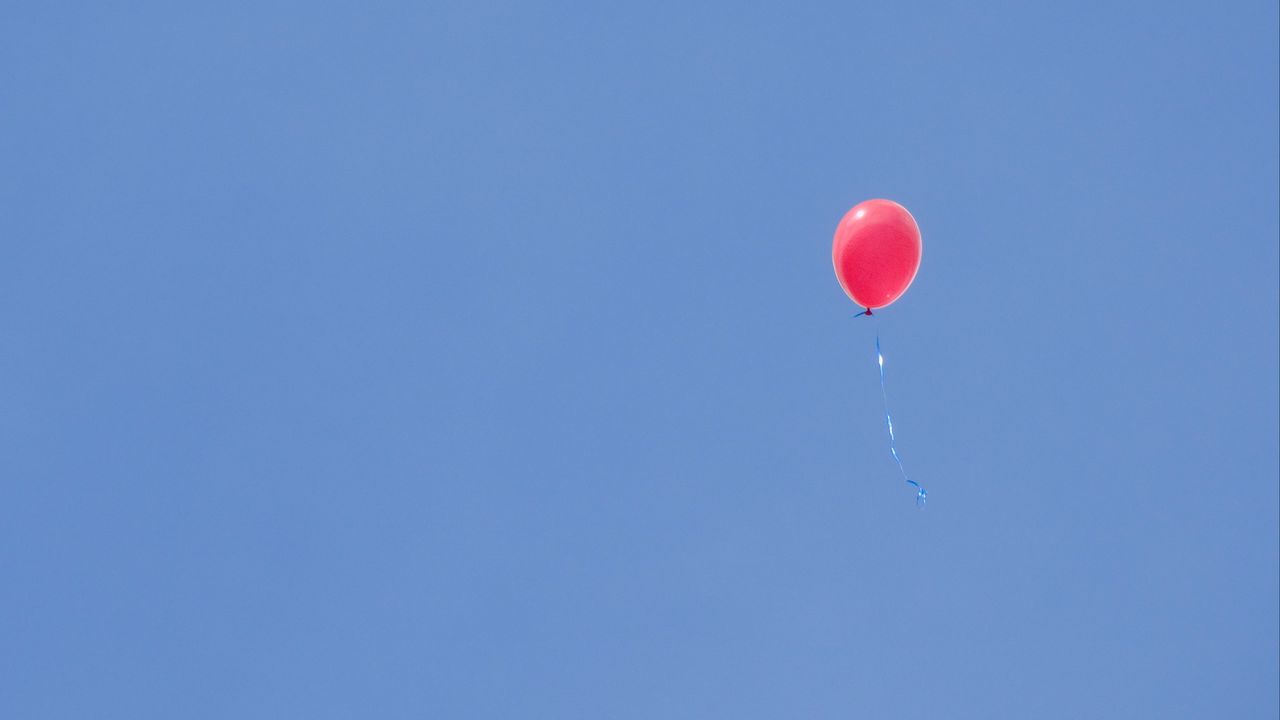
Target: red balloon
[{"x": 876, "y": 252}]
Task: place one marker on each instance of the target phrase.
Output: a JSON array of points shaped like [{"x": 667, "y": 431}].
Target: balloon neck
[{"x": 868, "y": 312}]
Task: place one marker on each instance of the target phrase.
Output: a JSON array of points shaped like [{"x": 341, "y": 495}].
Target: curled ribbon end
[{"x": 922, "y": 495}]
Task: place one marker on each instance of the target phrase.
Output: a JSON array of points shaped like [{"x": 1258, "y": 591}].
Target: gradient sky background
[{"x": 485, "y": 360}]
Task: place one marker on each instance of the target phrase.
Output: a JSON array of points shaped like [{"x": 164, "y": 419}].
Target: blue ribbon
[{"x": 921, "y": 494}]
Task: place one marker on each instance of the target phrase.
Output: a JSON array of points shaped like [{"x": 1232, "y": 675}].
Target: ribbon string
[{"x": 921, "y": 494}]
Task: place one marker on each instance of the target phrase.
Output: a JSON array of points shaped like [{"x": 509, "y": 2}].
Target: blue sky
[{"x": 485, "y": 360}]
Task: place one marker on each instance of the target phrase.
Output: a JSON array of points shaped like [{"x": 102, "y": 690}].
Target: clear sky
[{"x": 485, "y": 360}]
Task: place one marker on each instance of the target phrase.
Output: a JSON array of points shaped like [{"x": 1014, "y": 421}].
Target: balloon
[{"x": 876, "y": 252}]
